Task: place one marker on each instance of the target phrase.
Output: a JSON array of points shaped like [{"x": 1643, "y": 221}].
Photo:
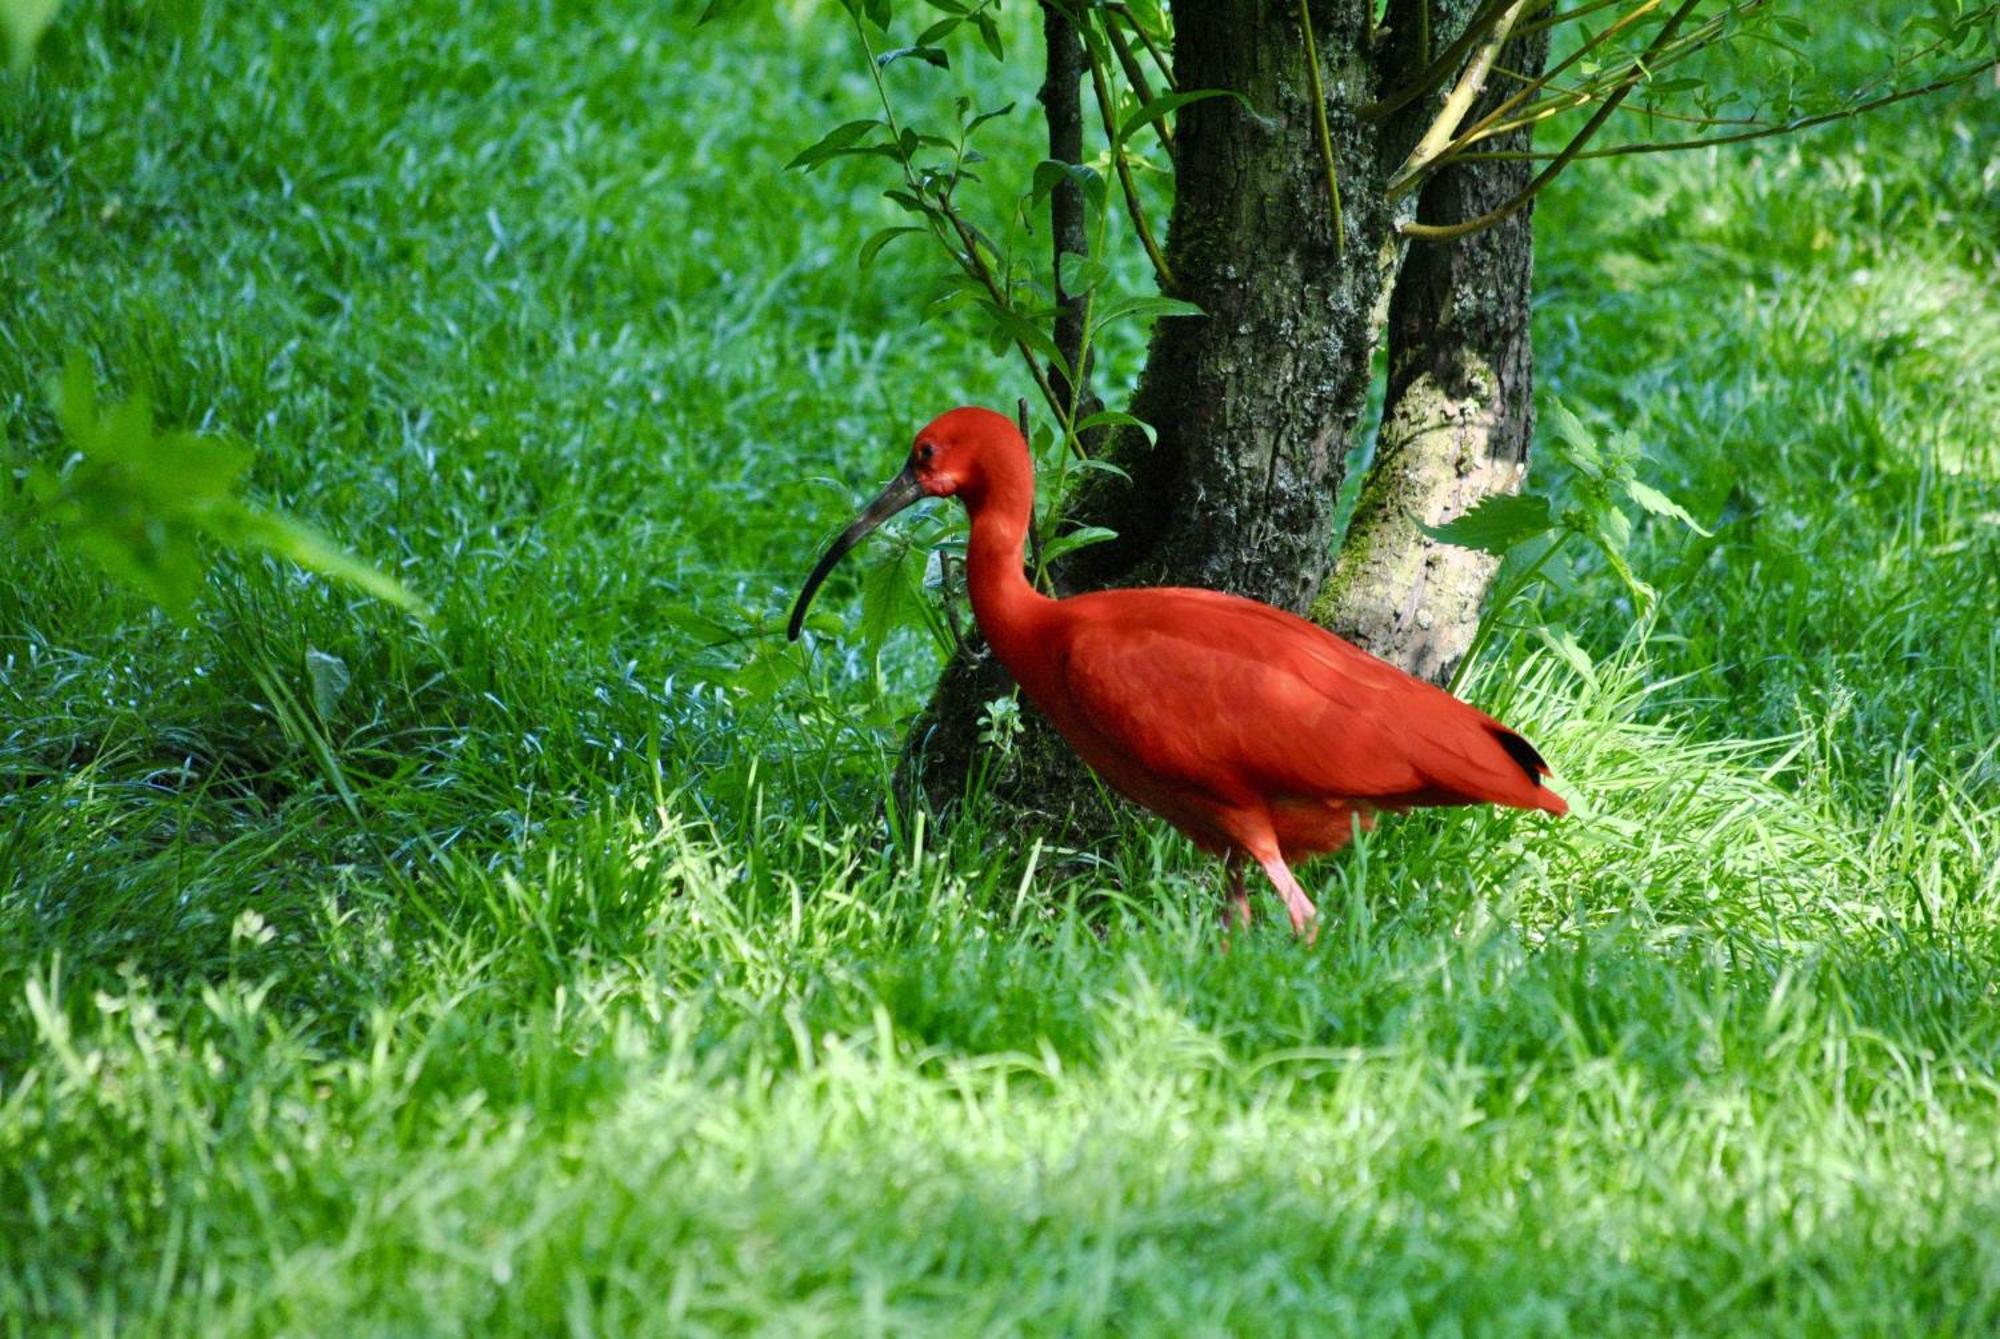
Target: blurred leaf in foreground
[
  {"x": 139, "y": 502},
  {"x": 23, "y": 22}
]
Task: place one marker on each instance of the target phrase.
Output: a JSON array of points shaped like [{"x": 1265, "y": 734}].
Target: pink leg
[{"x": 1305, "y": 916}]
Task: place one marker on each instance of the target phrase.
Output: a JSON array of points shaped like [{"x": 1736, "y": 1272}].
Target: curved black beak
[{"x": 903, "y": 490}]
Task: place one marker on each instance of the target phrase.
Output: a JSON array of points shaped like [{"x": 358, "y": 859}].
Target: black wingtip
[{"x": 1523, "y": 753}]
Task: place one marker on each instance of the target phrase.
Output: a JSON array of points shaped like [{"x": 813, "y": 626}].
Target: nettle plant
[{"x": 1535, "y": 528}]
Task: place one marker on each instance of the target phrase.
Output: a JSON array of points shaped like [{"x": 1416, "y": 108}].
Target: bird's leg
[
  {"x": 1305, "y": 916},
  {"x": 1236, "y": 905}
]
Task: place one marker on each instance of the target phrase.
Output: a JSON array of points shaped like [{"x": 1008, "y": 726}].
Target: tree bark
[
  {"x": 1062, "y": 107},
  {"x": 1456, "y": 422},
  {"x": 1253, "y": 402}
]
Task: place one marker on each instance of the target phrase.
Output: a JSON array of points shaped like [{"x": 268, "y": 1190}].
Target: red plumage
[{"x": 1253, "y": 731}]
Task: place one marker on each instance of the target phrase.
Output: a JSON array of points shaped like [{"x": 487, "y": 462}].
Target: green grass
[{"x": 547, "y": 982}]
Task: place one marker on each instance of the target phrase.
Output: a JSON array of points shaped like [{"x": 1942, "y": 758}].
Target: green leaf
[
  {"x": 1017, "y": 327},
  {"x": 1144, "y": 307},
  {"x": 1561, "y": 641},
  {"x": 929, "y": 55},
  {"x": 832, "y": 143},
  {"x": 1049, "y": 172},
  {"x": 1497, "y": 524},
  {"x": 1168, "y": 103},
  {"x": 989, "y": 33},
  {"x": 1641, "y": 592},
  {"x": 139, "y": 502},
  {"x": 716, "y": 9},
  {"x": 887, "y": 593},
  {"x": 692, "y": 622},
  {"x": 1580, "y": 449},
  {"x": 873, "y": 246},
  {"x": 1079, "y": 274},
  {"x": 1093, "y": 464},
  {"x": 767, "y": 670},
  {"x": 330, "y": 679},
  {"x": 938, "y": 31},
  {"x": 24, "y": 22},
  {"x": 1613, "y": 528},
  {"x": 1110, "y": 418},
  {"x": 294, "y": 539},
  {"x": 984, "y": 117},
  {"x": 910, "y": 203},
  {"x": 1080, "y": 538},
  {"x": 1658, "y": 503}
]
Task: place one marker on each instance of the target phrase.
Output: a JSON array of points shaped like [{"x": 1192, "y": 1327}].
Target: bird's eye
[{"x": 925, "y": 452}]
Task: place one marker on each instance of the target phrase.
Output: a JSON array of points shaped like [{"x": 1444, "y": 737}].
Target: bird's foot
[{"x": 1304, "y": 915}]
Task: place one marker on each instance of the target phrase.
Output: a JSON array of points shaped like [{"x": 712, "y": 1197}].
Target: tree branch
[
  {"x": 969, "y": 259},
  {"x": 1165, "y": 66},
  {"x": 1135, "y": 75},
  {"x": 1472, "y": 134},
  {"x": 1062, "y": 108},
  {"x": 1632, "y": 72},
  {"x": 1447, "y": 232},
  {"x": 1439, "y": 69},
  {"x": 1761, "y": 132},
  {"x": 1565, "y": 16},
  {"x": 1470, "y": 84}
]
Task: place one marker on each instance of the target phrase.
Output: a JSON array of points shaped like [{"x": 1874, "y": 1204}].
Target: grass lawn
[{"x": 555, "y": 976}]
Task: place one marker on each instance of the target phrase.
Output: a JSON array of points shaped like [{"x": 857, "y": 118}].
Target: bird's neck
[{"x": 1008, "y": 608}]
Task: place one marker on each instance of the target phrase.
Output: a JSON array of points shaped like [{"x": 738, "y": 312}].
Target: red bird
[{"x": 1251, "y": 730}]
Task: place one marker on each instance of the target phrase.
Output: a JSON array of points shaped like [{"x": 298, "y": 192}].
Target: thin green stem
[
  {"x": 1325, "y": 135},
  {"x": 1739, "y": 137},
  {"x": 1126, "y": 186},
  {"x": 1501, "y": 601}
]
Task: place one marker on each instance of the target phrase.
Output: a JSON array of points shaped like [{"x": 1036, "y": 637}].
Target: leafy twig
[
  {"x": 1740, "y": 137},
  {"x": 1123, "y": 165},
  {"x": 1444, "y": 232}
]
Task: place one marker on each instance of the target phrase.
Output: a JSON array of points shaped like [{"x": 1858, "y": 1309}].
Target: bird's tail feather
[{"x": 1490, "y": 764}]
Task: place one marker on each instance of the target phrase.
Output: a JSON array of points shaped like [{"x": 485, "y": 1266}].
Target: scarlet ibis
[{"x": 1253, "y": 731}]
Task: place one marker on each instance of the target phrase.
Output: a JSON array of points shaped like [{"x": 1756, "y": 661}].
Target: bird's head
[{"x": 957, "y": 454}]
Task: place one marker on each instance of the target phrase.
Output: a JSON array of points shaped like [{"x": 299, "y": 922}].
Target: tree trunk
[
  {"x": 1255, "y": 402},
  {"x": 1457, "y": 420},
  {"x": 1062, "y": 107}
]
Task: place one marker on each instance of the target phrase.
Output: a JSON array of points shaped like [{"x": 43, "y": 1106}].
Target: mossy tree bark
[
  {"x": 1257, "y": 401},
  {"x": 1457, "y": 419}
]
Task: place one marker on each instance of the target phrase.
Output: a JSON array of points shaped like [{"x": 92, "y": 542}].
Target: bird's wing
[{"x": 1206, "y": 688}]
